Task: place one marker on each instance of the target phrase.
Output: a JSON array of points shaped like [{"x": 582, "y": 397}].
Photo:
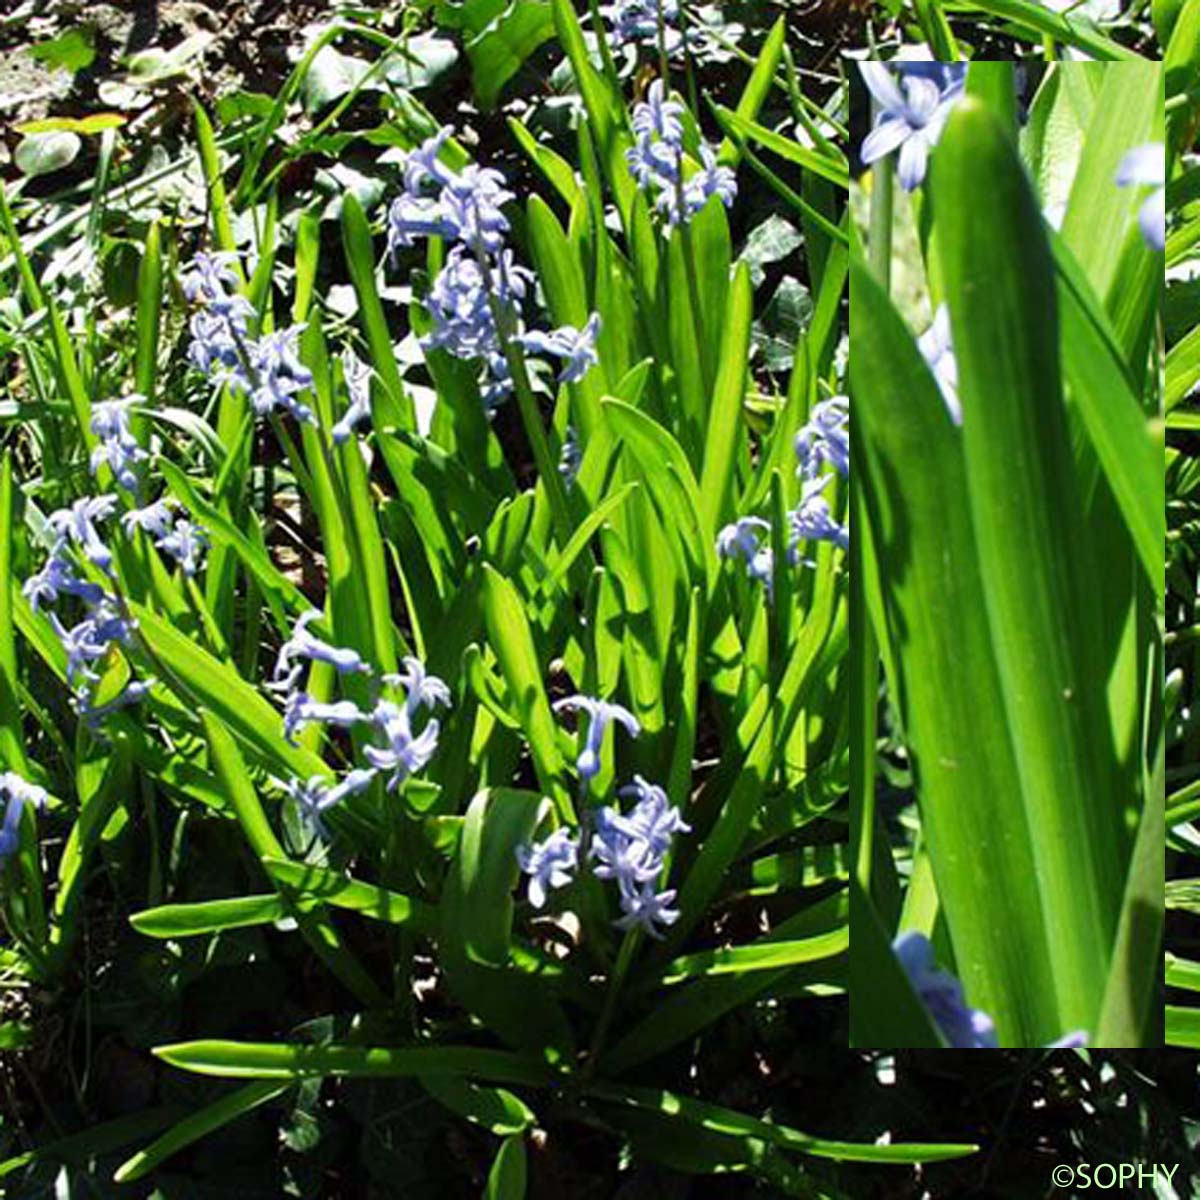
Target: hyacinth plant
[
  {"x": 538, "y": 762},
  {"x": 1007, "y": 876},
  {"x": 1182, "y": 336}
]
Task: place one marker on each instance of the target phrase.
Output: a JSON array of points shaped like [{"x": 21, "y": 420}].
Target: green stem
[
  {"x": 882, "y": 194},
  {"x": 616, "y": 980}
]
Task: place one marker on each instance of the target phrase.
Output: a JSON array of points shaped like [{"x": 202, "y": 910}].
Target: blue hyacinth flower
[
  {"x": 825, "y": 438},
  {"x": 747, "y": 538},
  {"x": 912, "y": 114},
  {"x": 962, "y": 1026},
  {"x": 16, "y": 792},
  {"x": 601, "y": 714},
  {"x": 812, "y": 521},
  {"x": 421, "y": 689},
  {"x": 302, "y": 646},
  {"x": 405, "y": 752},
  {"x": 549, "y": 864},
  {"x": 358, "y": 384},
  {"x": 79, "y": 524},
  {"x": 576, "y": 347}
]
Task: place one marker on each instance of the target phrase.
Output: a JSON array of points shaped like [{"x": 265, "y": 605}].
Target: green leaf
[
  {"x": 948, "y": 688},
  {"x": 1070, "y": 31},
  {"x": 506, "y": 1179},
  {"x": 1028, "y": 513},
  {"x": 834, "y": 170},
  {"x": 724, "y": 434},
  {"x": 44, "y": 153},
  {"x": 209, "y": 916},
  {"x": 499, "y": 51},
  {"x": 149, "y": 314},
  {"x": 605, "y": 109},
  {"x": 769, "y": 956},
  {"x": 512, "y": 642},
  {"x": 272, "y": 1060},
  {"x": 1183, "y": 1026},
  {"x": 200, "y": 1124},
  {"x": 360, "y": 259},
  {"x": 73, "y": 50},
  {"x": 209, "y": 683},
  {"x": 321, "y": 934},
  {"x": 476, "y": 914},
  {"x": 330, "y": 887},
  {"x": 726, "y": 1120},
  {"x": 494, "y": 1109},
  {"x": 92, "y": 124},
  {"x": 884, "y": 1009},
  {"x": 758, "y": 87}
]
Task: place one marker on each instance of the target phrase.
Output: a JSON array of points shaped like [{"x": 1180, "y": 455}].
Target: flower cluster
[
  {"x": 656, "y": 161},
  {"x": 177, "y": 537},
  {"x": 912, "y": 113},
  {"x": 823, "y": 441},
  {"x": 118, "y": 449},
  {"x": 1146, "y": 166},
  {"x": 88, "y": 642},
  {"x": 16, "y": 793},
  {"x": 475, "y": 301},
  {"x": 266, "y": 369},
  {"x": 636, "y": 23},
  {"x": 747, "y": 538},
  {"x": 630, "y": 848},
  {"x": 962, "y": 1026},
  {"x": 404, "y": 750},
  {"x": 937, "y": 349}
]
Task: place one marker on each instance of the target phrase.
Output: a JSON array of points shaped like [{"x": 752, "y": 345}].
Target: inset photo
[{"x": 1005, "y": 367}]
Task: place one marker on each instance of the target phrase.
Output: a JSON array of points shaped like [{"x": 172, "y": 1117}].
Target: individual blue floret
[
  {"x": 405, "y": 752},
  {"x": 601, "y": 714},
  {"x": 576, "y": 347},
  {"x": 57, "y": 577},
  {"x": 549, "y": 864},
  {"x": 811, "y": 520},
  {"x": 303, "y": 646},
  {"x": 118, "y": 449},
  {"x": 825, "y": 439},
  {"x": 421, "y": 689},
  {"x": 358, "y": 384},
  {"x": 79, "y": 524},
  {"x": 16, "y": 793},
  {"x": 316, "y": 797},
  {"x": 91, "y": 639},
  {"x": 187, "y": 544},
  {"x": 301, "y": 709},
  {"x": 962, "y": 1026},
  {"x": 747, "y": 538},
  {"x": 912, "y": 114}
]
